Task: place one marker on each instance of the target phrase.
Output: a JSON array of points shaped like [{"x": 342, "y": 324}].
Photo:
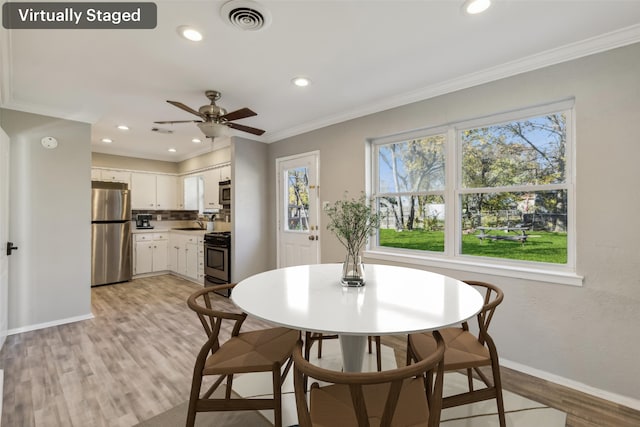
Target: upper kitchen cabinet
[
  {"x": 167, "y": 192},
  {"x": 111, "y": 175},
  {"x": 211, "y": 183},
  {"x": 150, "y": 191},
  {"x": 225, "y": 173}
]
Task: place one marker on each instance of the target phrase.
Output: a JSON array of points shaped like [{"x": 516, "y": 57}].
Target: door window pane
[{"x": 297, "y": 210}]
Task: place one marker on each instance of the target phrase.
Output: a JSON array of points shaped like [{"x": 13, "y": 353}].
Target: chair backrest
[
  {"x": 493, "y": 296},
  {"x": 211, "y": 319},
  {"x": 357, "y": 381}
]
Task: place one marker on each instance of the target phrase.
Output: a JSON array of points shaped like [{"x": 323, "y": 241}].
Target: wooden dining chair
[
  {"x": 465, "y": 351},
  {"x": 266, "y": 350},
  {"x": 406, "y": 396},
  {"x": 311, "y": 337}
]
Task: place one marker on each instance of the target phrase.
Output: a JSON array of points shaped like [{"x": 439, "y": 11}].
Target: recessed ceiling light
[
  {"x": 107, "y": 140},
  {"x": 473, "y": 7},
  {"x": 172, "y": 150},
  {"x": 196, "y": 140},
  {"x": 190, "y": 33},
  {"x": 123, "y": 127},
  {"x": 301, "y": 81}
]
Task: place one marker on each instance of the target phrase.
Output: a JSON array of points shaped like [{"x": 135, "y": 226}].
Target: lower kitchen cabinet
[
  {"x": 185, "y": 256},
  {"x": 150, "y": 253}
]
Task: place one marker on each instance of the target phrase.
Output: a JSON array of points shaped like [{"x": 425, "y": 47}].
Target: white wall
[
  {"x": 587, "y": 335},
  {"x": 50, "y": 273},
  {"x": 250, "y": 204}
]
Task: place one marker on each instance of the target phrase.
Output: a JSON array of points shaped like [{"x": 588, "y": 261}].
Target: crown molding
[{"x": 612, "y": 40}]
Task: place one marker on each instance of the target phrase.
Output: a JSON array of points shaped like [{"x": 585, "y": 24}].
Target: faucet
[{"x": 200, "y": 224}]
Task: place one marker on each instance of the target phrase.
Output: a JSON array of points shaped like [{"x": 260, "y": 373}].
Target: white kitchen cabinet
[
  {"x": 192, "y": 260},
  {"x": 180, "y": 192},
  {"x": 185, "y": 255},
  {"x": 166, "y": 192},
  {"x": 211, "y": 188},
  {"x": 201, "y": 259},
  {"x": 150, "y": 253},
  {"x": 151, "y": 191},
  {"x": 143, "y": 190},
  {"x": 143, "y": 256},
  {"x": 111, "y": 175},
  {"x": 225, "y": 173}
]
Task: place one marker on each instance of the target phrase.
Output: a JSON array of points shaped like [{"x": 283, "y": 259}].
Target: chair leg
[
  {"x": 320, "y": 346},
  {"x": 378, "y": 353},
  {"x": 470, "y": 378},
  {"x": 409, "y": 353},
  {"x": 497, "y": 384},
  {"x": 227, "y": 394},
  {"x": 193, "y": 399},
  {"x": 277, "y": 397}
]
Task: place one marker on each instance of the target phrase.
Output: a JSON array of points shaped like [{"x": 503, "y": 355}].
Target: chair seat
[
  {"x": 462, "y": 348},
  {"x": 332, "y": 406},
  {"x": 254, "y": 351}
]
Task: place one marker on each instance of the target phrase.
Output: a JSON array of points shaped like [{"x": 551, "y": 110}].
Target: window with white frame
[{"x": 496, "y": 190}]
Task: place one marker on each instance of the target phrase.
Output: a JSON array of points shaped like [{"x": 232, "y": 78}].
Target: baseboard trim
[
  {"x": 44, "y": 325},
  {"x": 581, "y": 387}
]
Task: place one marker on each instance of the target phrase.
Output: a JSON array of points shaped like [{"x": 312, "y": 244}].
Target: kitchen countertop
[{"x": 165, "y": 230}]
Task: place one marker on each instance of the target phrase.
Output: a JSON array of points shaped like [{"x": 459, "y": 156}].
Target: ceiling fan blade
[
  {"x": 243, "y": 128},
  {"x": 170, "y": 122},
  {"x": 185, "y": 108},
  {"x": 239, "y": 114}
]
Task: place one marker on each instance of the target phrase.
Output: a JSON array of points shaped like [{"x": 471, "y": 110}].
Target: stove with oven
[{"x": 217, "y": 259}]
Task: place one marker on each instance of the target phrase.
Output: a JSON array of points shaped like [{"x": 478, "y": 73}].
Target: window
[
  {"x": 297, "y": 211},
  {"x": 496, "y": 191}
]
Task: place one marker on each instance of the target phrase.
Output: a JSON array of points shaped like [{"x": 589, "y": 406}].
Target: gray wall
[
  {"x": 589, "y": 334},
  {"x": 50, "y": 274},
  {"x": 250, "y": 204}
]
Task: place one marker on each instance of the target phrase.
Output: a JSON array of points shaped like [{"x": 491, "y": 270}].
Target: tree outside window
[{"x": 511, "y": 182}]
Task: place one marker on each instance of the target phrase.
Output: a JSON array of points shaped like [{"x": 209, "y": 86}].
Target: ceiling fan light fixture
[
  {"x": 190, "y": 33},
  {"x": 213, "y": 130},
  {"x": 473, "y": 7}
]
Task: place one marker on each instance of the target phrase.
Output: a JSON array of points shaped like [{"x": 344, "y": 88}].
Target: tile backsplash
[{"x": 168, "y": 215}]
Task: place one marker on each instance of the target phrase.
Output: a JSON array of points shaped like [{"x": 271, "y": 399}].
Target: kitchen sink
[{"x": 188, "y": 228}]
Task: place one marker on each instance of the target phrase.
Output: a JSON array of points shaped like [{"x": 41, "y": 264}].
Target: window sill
[{"x": 544, "y": 274}]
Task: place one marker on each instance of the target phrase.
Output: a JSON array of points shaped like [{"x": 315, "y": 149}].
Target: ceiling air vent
[
  {"x": 161, "y": 130},
  {"x": 246, "y": 15}
]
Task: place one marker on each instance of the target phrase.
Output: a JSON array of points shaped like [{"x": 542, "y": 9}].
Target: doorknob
[{"x": 10, "y": 248}]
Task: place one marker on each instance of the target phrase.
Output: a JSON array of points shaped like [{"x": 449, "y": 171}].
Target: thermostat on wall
[{"x": 49, "y": 142}]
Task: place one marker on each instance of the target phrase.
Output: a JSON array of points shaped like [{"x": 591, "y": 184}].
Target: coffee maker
[{"x": 143, "y": 221}]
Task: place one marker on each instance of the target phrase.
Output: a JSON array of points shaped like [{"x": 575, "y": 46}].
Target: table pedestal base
[{"x": 352, "y": 352}]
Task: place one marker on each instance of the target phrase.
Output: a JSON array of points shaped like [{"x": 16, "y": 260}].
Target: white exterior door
[
  {"x": 4, "y": 235},
  {"x": 298, "y": 210}
]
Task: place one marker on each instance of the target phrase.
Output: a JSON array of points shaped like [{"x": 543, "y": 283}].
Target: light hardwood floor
[{"x": 135, "y": 359}]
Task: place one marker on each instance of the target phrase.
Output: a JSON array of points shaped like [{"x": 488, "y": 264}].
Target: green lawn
[{"x": 541, "y": 246}]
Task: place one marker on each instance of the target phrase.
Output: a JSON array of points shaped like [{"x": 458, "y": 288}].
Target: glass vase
[{"x": 353, "y": 271}]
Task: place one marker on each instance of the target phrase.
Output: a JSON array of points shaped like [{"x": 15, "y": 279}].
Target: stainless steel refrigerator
[{"x": 110, "y": 233}]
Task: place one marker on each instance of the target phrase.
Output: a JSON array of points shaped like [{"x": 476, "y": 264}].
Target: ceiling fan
[{"x": 215, "y": 120}]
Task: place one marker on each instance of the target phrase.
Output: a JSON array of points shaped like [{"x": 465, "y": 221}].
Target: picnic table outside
[{"x": 519, "y": 234}]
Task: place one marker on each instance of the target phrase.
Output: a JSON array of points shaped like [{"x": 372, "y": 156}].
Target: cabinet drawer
[
  {"x": 143, "y": 237},
  {"x": 160, "y": 236}
]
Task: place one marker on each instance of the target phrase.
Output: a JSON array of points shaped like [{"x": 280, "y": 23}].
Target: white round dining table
[{"x": 394, "y": 300}]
